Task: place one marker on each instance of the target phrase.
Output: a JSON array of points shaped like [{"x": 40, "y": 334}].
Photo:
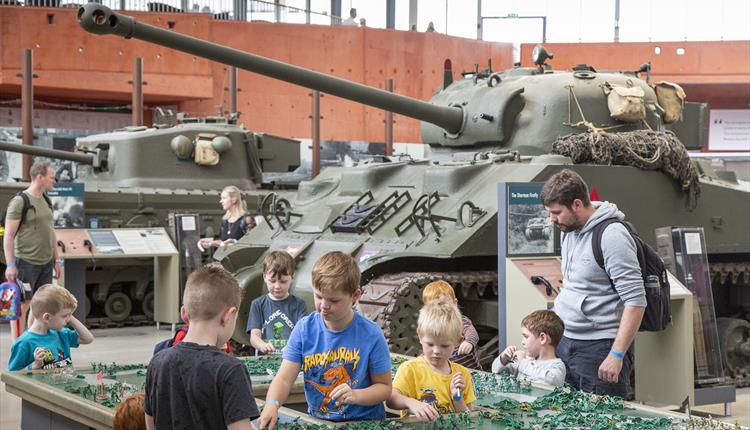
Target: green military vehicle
[
  {"x": 137, "y": 176},
  {"x": 412, "y": 221}
]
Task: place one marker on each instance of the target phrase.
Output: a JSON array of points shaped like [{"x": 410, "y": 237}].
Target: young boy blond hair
[
  {"x": 431, "y": 384},
  {"x": 466, "y": 352},
  {"x": 47, "y": 342},
  {"x": 195, "y": 381},
  {"x": 541, "y": 331},
  {"x": 344, "y": 356},
  {"x": 274, "y": 315}
]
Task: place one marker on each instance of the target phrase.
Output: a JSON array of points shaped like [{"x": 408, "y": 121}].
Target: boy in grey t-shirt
[
  {"x": 541, "y": 331},
  {"x": 273, "y": 316}
]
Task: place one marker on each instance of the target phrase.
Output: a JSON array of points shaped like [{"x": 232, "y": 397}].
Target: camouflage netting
[{"x": 644, "y": 149}]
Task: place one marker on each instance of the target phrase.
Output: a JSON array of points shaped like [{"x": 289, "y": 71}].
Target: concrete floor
[{"x": 135, "y": 345}]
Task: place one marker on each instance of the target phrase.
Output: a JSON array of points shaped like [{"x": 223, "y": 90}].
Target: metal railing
[{"x": 240, "y": 10}]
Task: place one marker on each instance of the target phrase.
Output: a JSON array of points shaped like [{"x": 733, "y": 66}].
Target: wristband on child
[
  {"x": 619, "y": 355},
  {"x": 272, "y": 402},
  {"x": 10, "y": 263}
]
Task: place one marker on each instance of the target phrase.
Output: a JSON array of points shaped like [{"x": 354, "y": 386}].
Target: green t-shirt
[{"x": 33, "y": 241}]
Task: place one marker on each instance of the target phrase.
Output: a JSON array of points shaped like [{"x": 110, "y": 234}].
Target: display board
[{"x": 152, "y": 241}]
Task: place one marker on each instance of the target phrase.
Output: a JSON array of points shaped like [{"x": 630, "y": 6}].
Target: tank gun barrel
[
  {"x": 50, "y": 153},
  {"x": 98, "y": 19}
]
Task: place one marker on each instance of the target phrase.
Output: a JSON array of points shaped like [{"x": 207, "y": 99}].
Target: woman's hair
[{"x": 240, "y": 207}]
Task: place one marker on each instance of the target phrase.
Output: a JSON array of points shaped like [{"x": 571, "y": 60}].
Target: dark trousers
[
  {"x": 582, "y": 359},
  {"x": 35, "y": 275}
]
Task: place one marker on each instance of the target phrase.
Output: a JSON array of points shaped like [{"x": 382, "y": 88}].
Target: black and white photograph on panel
[
  {"x": 68, "y": 205},
  {"x": 530, "y": 231}
]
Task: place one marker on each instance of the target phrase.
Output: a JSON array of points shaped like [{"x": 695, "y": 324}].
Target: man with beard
[{"x": 601, "y": 316}]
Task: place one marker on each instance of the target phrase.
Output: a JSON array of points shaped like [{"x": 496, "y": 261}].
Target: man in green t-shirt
[{"x": 30, "y": 251}]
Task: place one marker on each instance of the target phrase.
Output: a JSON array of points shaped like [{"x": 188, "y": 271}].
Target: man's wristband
[
  {"x": 10, "y": 263},
  {"x": 619, "y": 355}
]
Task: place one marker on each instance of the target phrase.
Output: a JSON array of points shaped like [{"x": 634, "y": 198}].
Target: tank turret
[{"x": 408, "y": 222}]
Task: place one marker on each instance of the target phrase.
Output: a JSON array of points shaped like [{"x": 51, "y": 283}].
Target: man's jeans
[{"x": 582, "y": 359}]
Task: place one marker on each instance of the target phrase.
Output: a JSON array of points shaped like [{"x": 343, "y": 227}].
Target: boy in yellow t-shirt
[{"x": 431, "y": 384}]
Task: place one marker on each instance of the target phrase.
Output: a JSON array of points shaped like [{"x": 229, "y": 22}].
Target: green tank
[
  {"x": 409, "y": 221},
  {"x": 137, "y": 176}
]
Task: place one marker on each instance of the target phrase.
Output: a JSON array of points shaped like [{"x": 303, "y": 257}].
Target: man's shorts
[{"x": 35, "y": 275}]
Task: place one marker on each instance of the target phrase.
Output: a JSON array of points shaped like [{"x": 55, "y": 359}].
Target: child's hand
[
  {"x": 344, "y": 394},
  {"x": 458, "y": 383},
  {"x": 267, "y": 348},
  {"x": 423, "y": 411},
  {"x": 39, "y": 355},
  {"x": 268, "y": 416},
  {"x": 508, "y": 354},
  {"x": 520, "y": 355},
  {"x": 465, "y": 348}
]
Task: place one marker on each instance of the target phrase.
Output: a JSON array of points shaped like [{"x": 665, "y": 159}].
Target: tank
[
  {"x": 408, "y": 222},
  {"x": 138, "y": 176}
]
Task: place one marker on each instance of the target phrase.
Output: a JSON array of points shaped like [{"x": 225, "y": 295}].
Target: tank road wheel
[
  {"x": 734, "y": 338},
  {"x": 147, "y": 306},
  {"x": 118, "y": 306}
]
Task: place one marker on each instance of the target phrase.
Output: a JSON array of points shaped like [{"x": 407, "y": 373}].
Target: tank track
[
  {"x": 734, "y": 277},
  {"x": 393, "y": 302}
]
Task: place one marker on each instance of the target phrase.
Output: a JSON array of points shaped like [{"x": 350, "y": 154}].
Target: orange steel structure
[{"x": 74, "y": 66}]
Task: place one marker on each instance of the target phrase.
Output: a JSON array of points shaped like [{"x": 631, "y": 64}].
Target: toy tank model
[
  {"x": 408, "y": 222},
  {"x": 137, "y": 176}
]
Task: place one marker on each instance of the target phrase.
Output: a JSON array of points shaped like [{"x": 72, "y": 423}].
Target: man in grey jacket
[{"x": 601, "y": 318}]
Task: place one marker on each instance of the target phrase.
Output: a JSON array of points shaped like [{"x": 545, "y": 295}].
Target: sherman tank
[
  {"x": 138, "y": 176},
  {"x": 408, "y": 222}
]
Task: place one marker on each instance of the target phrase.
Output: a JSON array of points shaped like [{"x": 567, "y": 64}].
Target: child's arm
[
  {"x": 150, "y": 422},
  {"x": 241, "y": 425},
  {"x": 378, "y": 392},
  {"x": 258, "y": 343},
  {"x": 421, "y": 410},
  {"x": 458, "y": 383},
  {"x": 278, "y": 392},
  {"x": 84, "y": 335},
  {"x": 471, "y": 337}
]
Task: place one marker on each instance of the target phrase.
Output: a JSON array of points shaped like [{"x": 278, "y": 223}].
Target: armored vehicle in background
[
  {"x": 408, "y": 222},
  {"x": 138, "y": 176}
]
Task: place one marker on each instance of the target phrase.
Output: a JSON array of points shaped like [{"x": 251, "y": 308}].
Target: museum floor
[{"x": 135, "y": 345}]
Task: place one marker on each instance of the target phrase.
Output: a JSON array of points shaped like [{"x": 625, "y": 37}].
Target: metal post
[
  {"x": 240, "y": 10},
  {"x": 389, "y": 123},
  {"x": 479, "y": 20},
  {"x": 335, "y": 12},
  {"x": 27, "y": 109},
  {"x": 413, "y": 12},
  {"x": 617, "y": 20},
  {"x": 315, "y": 133},
  {"x": 137, "y": 108},
  {"x": 390, "y": 14},
  {"x": 232, "y": 90},
  {"x": 277, "y": 11},
  {"x": 308, "y": 6}
]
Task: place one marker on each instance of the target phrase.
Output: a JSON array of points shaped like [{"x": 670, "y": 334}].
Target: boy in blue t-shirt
[
  {"x": 46, "y": 344},
  {"x": 343, "y": 356}
]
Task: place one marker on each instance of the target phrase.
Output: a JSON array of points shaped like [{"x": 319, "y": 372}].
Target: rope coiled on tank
[{"x": 644, "y": 149}]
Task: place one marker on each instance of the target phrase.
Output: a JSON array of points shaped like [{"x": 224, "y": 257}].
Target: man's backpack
[
  {"x": 658, "y": 312},
  {"x": 26, "y": 207}
]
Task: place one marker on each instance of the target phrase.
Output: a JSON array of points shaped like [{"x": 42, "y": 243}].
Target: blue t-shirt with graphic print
[
  {"x": 56, "y": 343},
  {"x": 330, "y": 358}
]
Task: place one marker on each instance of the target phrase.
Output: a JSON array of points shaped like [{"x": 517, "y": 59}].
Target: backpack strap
[
  {"x": 26, "y": 206},
  {"x": 596, "y": 240}
]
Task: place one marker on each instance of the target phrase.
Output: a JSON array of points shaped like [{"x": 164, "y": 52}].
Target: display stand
[{"x": 78, "y": 247}]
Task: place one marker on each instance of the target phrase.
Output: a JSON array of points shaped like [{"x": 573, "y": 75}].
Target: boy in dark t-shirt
[
  {"x": 274, "y": 315},
  {"x": 196, "y": 385}
]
